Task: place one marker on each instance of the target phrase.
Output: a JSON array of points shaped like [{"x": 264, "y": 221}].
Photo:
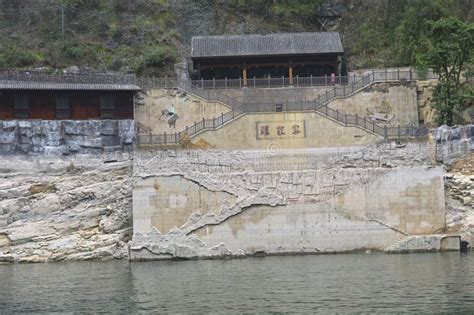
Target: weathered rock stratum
[{"x": 71, "y": 208}]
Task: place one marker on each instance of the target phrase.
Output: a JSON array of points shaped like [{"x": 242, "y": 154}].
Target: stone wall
[
  {"x": 190, "y": 204},
  {"x": 61, "y": 137},
  {"x": 397, "y": 100},
  {"x": 188, "y": 107},
  {"x": 454, "y": 142},
  {"x": 265, "y": 95},
  {"x": 313, "y": 131}
]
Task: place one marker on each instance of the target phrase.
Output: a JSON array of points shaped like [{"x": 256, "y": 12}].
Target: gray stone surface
[
  {"x": 65, "y": 208},
  {"x": 62, "y": 137},
  {"x": 453, "y": 142},
  {"x": 426, "y": 243},
  {"x": 291, "y": 201}
]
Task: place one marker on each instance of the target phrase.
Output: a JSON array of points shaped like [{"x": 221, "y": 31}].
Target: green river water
[{"x": 352, "y": 283}]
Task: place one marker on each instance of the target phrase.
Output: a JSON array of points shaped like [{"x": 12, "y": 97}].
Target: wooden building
[
  {"x": 55, "y": 100},
  {"x": 261, "y": 56}
]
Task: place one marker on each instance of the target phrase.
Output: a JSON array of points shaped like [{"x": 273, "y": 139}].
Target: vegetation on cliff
[
  {"x": 148, "y": 36},
  {"x": 447, "y": 48}
]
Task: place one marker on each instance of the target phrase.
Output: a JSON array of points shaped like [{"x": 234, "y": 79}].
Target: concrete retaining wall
[
  {"x": 313, "y": 131},
  {"x": 65, "y": 136},
  {"x": 395, "y": 100},
  {"x": 189, "y": 109},
  {"x": 191, "y": 204},
  {"x": 272, "y": 95}
]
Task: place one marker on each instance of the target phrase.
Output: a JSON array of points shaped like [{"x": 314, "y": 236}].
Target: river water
[{"x": 421, "y": 283}]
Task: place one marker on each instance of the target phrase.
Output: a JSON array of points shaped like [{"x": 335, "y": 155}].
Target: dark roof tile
[{"x": 266, "y": 45}]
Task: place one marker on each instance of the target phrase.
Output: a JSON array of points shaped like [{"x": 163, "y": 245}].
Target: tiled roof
[
  {"x": 33, "y": 85},
  {"x": 266, "y": 45}
]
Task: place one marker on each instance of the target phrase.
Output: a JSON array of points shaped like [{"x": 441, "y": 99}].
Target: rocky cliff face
[
  {"x": 459, "y": 184},
  {"x": 74, "y": 208},
  {"x": 62, "y": 137}
]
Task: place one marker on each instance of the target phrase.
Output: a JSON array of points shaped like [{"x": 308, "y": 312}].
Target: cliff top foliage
[{"x": 149, "y": 36}]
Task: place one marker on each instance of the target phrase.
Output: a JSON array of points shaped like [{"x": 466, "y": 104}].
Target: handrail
[
  {"x": 196, "y": 85},
  {"x": 319, "y": 105},
  {"x": 281, "y": 82}
]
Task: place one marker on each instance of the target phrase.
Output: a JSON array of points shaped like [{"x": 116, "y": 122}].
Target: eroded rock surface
[
  {"x": 63, "y": 137},
  {"x": 75, "y": 208},
  {"x": 188, "y": 203},
  {"x": 459, "y": 184}
]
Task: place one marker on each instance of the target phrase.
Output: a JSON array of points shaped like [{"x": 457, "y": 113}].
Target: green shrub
[
  {"x": 14, "y": 58},
  {"x": 156, "y": 59}
]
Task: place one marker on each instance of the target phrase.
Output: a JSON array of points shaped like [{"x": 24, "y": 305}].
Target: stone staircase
[{"x": 320, "y": 105}]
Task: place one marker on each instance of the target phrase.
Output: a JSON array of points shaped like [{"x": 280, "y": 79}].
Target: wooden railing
[
  {"x": 320, "y": 105},
  {"x": 194, "y": 85}
]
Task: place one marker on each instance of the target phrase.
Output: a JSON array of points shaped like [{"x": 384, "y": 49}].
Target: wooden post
[
  {"x": 337, "y": 114},
  {"x": 202, "y": 83},
  {"x": 254, "y": 85},
  {"x": 290, "y": 75},
  {"x": 325, "y": 79},
  {"x": 214, "y": 83},
  {"x": 203, "y": 124},
  {"x": 283, "y": 81},
  {"x": 214, "y": 123},
  {"x": 297, "y": 80},
  {"x": 222, "y": 118},
  {"x": 240, "y": 82},
  {"x": 268, "y": 81},
  {"x": 244, "y": 75},
  {"x": 164, "y": 141},
  {"x": 225, "y": 80},
  {"x": 311, "y": 79},
  {"x": 398, "y": 74}
]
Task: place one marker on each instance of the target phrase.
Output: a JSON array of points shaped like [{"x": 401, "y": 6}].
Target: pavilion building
[{"x": 262, "y": 56}]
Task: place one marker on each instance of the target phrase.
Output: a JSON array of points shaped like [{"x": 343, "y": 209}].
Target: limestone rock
[
  {"x": 57, "y": 137},
  {"x": 65, "y": 208}
]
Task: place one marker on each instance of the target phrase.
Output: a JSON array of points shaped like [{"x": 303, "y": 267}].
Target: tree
[
  {"x": 449, "y": 48},
  {"x": 413, "y": 26}
]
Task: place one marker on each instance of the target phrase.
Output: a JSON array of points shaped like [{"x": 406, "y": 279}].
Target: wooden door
[
  {"x": 42, "y": 106},
  {"x": 85, "y": 106}
]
